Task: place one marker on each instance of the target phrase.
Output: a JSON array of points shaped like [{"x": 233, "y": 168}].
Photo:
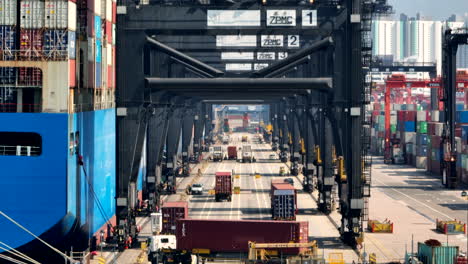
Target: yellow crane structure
[{"x": 258, "y": 251}]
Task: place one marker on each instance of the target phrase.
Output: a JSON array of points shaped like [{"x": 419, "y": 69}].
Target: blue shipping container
[
  {"x": 422, "y": 151},
  {"x": 98, "y": 51},
  {"x": 7, "y": 40},
  {"x": 464, "y": 130},
  {"x": 72, "y": 45},
  {"x": 97, "y": 27},
  {"x": 410, "y": 126},
  {"x": 462, "y": 116},
  {"x": 56, "y": 43},
  {"x": 98, "y": 75},
  {"x": 422, "y": 139},
  {"x": 283, "y": 205},
  {"x": 438, "y": 255},
  {"x": 460, "y": 107}
]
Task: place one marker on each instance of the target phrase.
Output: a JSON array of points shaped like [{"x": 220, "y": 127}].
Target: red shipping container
[
  {"x": 410, "y": 116},
  {"x": 114, "y": 12},
  {"x": 110, "y": 76},
  {"x": 400, "y": 115},
  {"x": 171, "y": 212},
  {"x": 233, "y": 236},
  {"x": 435, "y": 141},
  {"x": 109, "y": 32},
  {"x": 458, "y": 132},
  {"x": 72, "y": 74},
  {"x": 90, "y": 23},
  {"x": 91, "y": 5},
  {"x": 223, "y": 185},
  {"x": 91, "y": 72},
  {"x": 430, "y": 128},
  {"x": 30, "y": 76},
  {"x": 31, "y": 43}
]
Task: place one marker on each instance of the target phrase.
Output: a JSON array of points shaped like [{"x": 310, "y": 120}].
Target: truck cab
[{"x": 197, "y": 188}]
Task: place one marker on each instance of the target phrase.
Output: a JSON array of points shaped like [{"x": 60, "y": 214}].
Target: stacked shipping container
[{"x": 419, "y": 127}]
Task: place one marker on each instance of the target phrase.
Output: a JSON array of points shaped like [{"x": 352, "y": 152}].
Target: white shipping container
[
  {"x": 393, "y": 120},
  {"x": 32, "y": 14},
  {"x": 458, "y": 143},
  {"x": 396, "y": 107},
  {"x": 109, "y": 54},
  {"x": 421, "y": 162},
  {"x": 421, "y": 116},
  {"x": 97, "y": 7},
  {"x": 435, "y": 116},
  {"x": 411, "y": 107},
  {"x": 71, "y": 16},
  {"x": 410, "y": 137},
  {"x": 91, "y": 49},
  {"x": 108, "y": 10},
  {"x": 56, "y": 14},
  {"x": 439, "y": 127},
  {"x": 8, "y": 12}
]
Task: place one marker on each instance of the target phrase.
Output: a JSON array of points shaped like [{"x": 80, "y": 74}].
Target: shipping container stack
[
  {"x": 8, "y": 23},
  {"x": 96, "y": 39},
  {"x": 419, "y": 127}
]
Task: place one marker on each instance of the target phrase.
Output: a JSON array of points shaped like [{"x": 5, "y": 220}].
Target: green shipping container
[
  {"x": 422, "y": 127},
  {"x": 437, "y": 255},
  {"x": 393, "y": 128}
]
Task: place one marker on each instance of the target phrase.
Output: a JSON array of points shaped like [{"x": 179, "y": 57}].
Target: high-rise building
[{"x": 412, "y": 40}]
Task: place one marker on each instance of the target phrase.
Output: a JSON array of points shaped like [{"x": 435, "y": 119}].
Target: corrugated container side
[
  {"x": 7, "y": 41},
  {"x": 443, "y": 254},
  {"x": 72, "y": 74},
  {"x": 31, "y": 43},
  {"x": 97, "y": 27},
  {"x": 56, "y": 14},
  {"x": 32, "y": 14},
  {"x": 283, "y": 205},
  {"x": 8, "y": 12},
  {"x": 171, "y": 212},
  {"x": 108, "y": 32},
  {"x": 114, "y": 12},
  {"x": 233, "y": 236},
  {"x": 59, "y": 43}
]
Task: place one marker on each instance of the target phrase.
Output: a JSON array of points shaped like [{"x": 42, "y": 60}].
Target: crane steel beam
[
  {"x": 198, "y": 65},
  {"x": 240, "y": 84},
  {"x": 290, "y": 61}
]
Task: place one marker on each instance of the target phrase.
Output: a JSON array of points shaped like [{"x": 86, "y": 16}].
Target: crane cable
[
  {"x": 17, "y": 253},
  {"x": 93, "y": 193},
  {"x": 12, "y": 259},
  {"x": 36, "y": 237}
]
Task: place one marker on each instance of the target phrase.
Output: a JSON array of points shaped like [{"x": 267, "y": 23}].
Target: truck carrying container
[
  {"x": 232, "y": 152},
  {"x": 283, "y": 201},
  {"x": 171, "y": 211},
  {"x": 218, "y": 153},
  {"x": 233, "y": 235},
  {"x": 223, "y": 185}
]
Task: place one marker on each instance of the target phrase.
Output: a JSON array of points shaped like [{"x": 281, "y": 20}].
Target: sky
[{"x": 437, "y": 9}]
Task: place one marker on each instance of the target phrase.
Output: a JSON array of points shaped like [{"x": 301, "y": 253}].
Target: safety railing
[
  {"x": 19, "y": 150},
  {"x": 34, "y": 55},
  {"x": 20, "y": 108}
]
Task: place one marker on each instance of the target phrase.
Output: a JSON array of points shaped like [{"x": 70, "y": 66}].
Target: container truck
[
  {"x": 229, "y": 236},
  {"x": 232, "y": 152},
  {"x": 225, "y": 139},
  {"x": 247, "y": 154},
  {"x": 218, "y": 153},
  {"x": 283, "y": 201},
  {"x": 171, "y": 211},
  {"x": 223, "y": 186},
  {"x": 225, "y": 236}
]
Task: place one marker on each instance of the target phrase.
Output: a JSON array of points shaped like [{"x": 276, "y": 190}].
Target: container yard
[{"x": 250, "y": 132}]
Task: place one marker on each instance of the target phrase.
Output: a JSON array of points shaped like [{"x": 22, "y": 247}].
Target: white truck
[
  {"x": 247, "y": 154},
  {"x": 218, "y": 154},
  {"x": 197, "y": 188},
  {"x": 225, "y": 139}
]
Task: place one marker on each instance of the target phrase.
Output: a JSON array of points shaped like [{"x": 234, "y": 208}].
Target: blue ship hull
[{"x": 51, "y": 194}]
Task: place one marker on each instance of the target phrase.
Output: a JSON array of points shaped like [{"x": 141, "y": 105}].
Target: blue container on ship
[
  {"x": 410, "y": 126},
  {"x": 462, "y": 116},
  {"x": 464, "y": 130},
  {"x": 422, "y": 139},
  {"x": 460, "y": 107}
]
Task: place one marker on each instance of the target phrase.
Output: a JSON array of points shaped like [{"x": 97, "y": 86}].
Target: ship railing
[
  {"x": 34, "y": 55},
  {"x": 76, "y": 108},
  {"x": 19, "y": 150},
  {"x": 20, "y": 108}
]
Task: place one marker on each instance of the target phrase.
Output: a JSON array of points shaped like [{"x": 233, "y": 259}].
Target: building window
[{"x": 20, "y": 144}]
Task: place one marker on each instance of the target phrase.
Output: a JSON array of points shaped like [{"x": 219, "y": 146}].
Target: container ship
[{"x": 57, "y": 124}]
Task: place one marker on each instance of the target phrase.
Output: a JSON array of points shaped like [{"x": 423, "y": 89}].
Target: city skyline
[{"x": 436, "y": 9}]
